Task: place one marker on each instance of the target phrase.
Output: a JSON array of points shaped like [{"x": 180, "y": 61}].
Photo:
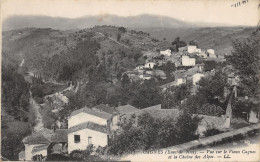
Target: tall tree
[{"x": 245, "y": 59}]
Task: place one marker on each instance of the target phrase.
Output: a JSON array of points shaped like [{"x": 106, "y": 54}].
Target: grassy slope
[{"x": 219, "y": 38}]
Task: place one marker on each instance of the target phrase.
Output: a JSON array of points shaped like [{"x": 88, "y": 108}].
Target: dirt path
[{"x": 38, "y": 117}]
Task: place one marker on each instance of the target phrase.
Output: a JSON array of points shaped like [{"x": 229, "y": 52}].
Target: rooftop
[
  {"x": 87, "y": 110},
  {"x": 61, "y": 135},
  {"x": 89, "y": 125},
  {"x": 126, "y": 109},
  {"x": 41, "y": 137},
  {"x": 105, "y": 108}
]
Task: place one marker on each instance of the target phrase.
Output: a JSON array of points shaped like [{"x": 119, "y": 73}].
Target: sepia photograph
[{"x": 121, "y": 80}]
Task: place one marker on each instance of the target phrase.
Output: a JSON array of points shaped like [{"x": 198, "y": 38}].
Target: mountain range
[{"x": 139, "y": 21}]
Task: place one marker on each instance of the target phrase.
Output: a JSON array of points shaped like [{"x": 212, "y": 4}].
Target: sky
[{"x": 209, "y": 11}]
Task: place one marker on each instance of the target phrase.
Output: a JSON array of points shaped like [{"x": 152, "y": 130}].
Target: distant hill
[
  {"x": 218, "y": 38},
  {"x": 140, "y": 21}
]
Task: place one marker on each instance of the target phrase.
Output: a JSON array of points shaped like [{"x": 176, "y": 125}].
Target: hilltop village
[{"x": 116, "y": 91}]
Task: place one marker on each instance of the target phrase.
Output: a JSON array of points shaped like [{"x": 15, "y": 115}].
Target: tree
[
  {"x": 177, "y": 43},
  {"x": 125, "y": 82},
  {"x": 210, "y": 65},
  {"x": 173, "y": 96},
  {"x": 122, "y": 29},
  {"x": 137, "y": 56},
  {"x": 245, "y": 59},
  {"x": 186, "y": 128},
  {"x": 193, "y": 103},
  {"x": 118, "y": 37},
  {"x": 213, "y": 88},
  {"x": 168, "y": 68},
  {"x": 147, "y": 95},
  {"x": 211, "y": 110},
  {"x": 194, "y": 43}
]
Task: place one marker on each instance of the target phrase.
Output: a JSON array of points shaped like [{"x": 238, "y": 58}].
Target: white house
[
  {"x": 84, "y": 134},
  {"x": 166, "y": 52},
  {"x": 192, "y": 49},
  {"x": 187, "y": 61},
  {"x": 149, "y": 65},
  {"x": 196, "y": 78},
  {"x": 211, "y": 51},
  {"x": 40, "y": 142},
  {"x": 88, "y": 126}
]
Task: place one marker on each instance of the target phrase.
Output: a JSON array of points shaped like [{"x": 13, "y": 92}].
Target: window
[
  {"x": 76, "y": 138},
  {"x": 89, "y": 140}
]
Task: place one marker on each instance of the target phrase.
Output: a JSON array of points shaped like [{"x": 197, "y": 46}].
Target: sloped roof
[
  {"x": 61, "y": 135},
  {"x": 89, "y": 125},
  {"x": 126, "y": 109},
  {"x": 157, "y": 107},
  {"x": 159, "y": 72},
  {"x": 41, "y": 137},
  {"x": 87, "y": 110},
  {"x": 168, "y": 84},
  {"x": 39, "y": 148},
  {"x": 105, "y": 108}
]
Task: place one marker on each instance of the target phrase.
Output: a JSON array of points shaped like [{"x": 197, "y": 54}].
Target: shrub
[{"x": 212, "y": 132}]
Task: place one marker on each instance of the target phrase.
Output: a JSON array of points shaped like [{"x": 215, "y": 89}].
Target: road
[{"x": 34, "y": 107}]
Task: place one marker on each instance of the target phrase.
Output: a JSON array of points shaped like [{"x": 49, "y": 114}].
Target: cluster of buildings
[
  {"x": 186, "y": 57},
  {"x": 86, "y": 126}
]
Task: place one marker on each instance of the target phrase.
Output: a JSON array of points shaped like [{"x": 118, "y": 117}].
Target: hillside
[
  {"x": 69, "y": 55},
  {"x": 218, "y": 38}
]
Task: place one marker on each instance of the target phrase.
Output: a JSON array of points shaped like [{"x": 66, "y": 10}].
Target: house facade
[
  {"x": 166, "y": 52},
  {"x": 193, "y": 49},
  {"x": 89, "y": 126},
  {"x": 187, "y": 61}
]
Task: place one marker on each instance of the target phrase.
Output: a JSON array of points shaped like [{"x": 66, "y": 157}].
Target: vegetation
[
  {"x": 15, "y": 104},
  {"x": 152, "y": 133},
  {"x": 177, "y": 43},
  {"x": 212, "y": 132},
  {"x": 245, "y": 59},
  {"x": 15, "y": 91}
]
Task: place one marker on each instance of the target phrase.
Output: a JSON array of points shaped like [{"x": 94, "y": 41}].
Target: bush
[
  {"x": 38, "y": 157},
  {"x": 211, "y": 132}
]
